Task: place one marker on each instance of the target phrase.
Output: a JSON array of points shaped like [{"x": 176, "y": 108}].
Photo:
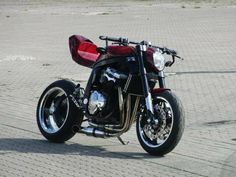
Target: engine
[
  {"x": 103, "y": 99},
  {"x": 97, "y": 102}
]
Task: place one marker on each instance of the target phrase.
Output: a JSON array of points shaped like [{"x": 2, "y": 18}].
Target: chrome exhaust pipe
[{"x": 91, "y": 131}]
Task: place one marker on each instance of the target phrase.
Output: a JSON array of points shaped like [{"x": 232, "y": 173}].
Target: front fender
[{"x": 159, "y": 90}]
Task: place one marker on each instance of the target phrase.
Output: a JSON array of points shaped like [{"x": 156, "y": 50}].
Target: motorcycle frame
[{"x": 95, "y": 130}]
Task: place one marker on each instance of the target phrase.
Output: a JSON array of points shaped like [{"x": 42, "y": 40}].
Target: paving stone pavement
[{"x": 34, "y": 52}]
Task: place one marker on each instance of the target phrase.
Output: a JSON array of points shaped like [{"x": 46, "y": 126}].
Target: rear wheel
[
  {"x": 159, "y": 139},
  {"x": 56, "y": 113}
]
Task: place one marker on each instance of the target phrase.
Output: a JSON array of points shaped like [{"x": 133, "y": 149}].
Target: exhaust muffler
[{"x": 90, "y": 131}]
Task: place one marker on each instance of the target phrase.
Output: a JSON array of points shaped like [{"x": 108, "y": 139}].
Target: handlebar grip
[
  {"x": 110, "y": 38},
  {"x": 114, "y": 39}
]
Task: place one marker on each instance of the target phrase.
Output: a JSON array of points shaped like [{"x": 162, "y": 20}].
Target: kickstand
[{"x": 122, "y": 142}]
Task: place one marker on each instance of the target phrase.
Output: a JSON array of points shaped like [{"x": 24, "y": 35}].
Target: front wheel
[
  {"x": 161, "y": 138},
  {"x": 56, "y": 113}
]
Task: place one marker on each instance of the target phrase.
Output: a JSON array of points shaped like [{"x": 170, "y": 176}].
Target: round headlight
[{"x": 159, "y": 60}]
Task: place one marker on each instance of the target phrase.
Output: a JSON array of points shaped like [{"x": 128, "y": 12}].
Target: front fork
[
  {"x": 148, "y": 98},
  {"x": 161, "y": 79}
]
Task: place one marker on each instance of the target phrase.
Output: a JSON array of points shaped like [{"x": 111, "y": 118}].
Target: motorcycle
[{"x": 120, "y": 92}]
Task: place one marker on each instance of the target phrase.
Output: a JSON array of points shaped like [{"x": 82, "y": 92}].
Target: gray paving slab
[{"x": 34, "y": 52}]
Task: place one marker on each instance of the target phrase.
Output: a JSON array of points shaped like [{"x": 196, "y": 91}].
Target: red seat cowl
[
  {"x": 88, "y": 51},
  {"x": 83, "y": 51}
]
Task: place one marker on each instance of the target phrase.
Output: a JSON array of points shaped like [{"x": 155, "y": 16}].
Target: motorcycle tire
[
  {"x": 56, "y": 113},
  {"x": 171, "y": 117}
]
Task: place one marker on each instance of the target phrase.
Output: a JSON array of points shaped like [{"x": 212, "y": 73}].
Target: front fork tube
[
  {"x": 161, "y": 79},
  {"x": 146, "y": 92},
  {"x": 148, "y": 102}
]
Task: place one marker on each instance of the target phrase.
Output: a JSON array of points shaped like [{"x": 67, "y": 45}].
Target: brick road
[{"x": 34, "y": 52}]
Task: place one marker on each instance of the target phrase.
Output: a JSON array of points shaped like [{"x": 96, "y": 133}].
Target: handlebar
[{"x": 125, "y": 41}]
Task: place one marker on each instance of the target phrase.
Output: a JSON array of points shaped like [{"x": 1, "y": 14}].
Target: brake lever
[
  {"x": 170, "y": 63},
  {"x": 173, "y": 53}
]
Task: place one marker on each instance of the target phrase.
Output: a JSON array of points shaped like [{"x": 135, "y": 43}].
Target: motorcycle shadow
[{"x": 21, "y": 145}]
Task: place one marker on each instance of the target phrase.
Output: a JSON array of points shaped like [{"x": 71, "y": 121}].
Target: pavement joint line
[
  {"x": 222, "y": 122},
  {"x": 175, "y": 168},
  {"x": 214, "y": 146},
  {"x": 16, "y": 102},
  {"x": 215, "y": 140},
  {"x": 20, "y": 118},
  {"x": 219, "y": 163},
  {"x": 200, "y": 72},
  {"x": 20, "y": 129}
]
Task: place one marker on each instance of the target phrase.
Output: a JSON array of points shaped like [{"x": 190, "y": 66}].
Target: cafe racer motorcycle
[{"x": 120, "y": 92}]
